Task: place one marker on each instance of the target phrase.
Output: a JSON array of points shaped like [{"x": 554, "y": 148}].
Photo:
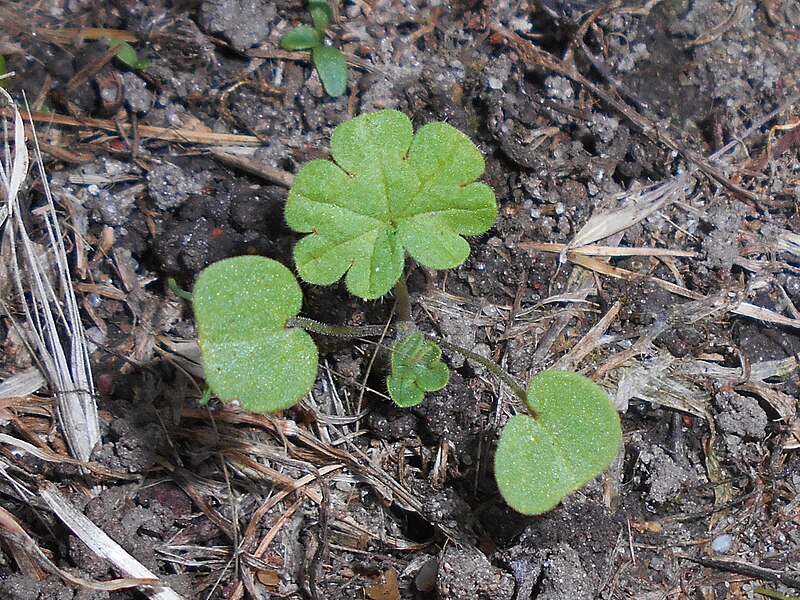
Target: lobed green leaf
[
  {"x": 388, "y": 192},
  {"x": 416, "y": 368},
  {"x": 575, "y": 437},
  {"x": 241, "y": 306}
]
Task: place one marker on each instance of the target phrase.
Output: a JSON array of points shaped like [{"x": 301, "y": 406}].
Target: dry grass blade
[
  {"x": 789, "y": 242},
  {"x": 44, "y": 453},
  {"x": 50, "y": 307},
  {"x": 658, "y": 381},
  {"x": 589, "y": 342},
  {"x": 753, "y": 380},
  {"x": 104, "y": 546},
  {"x": 638, "y": 206},
  {"x": 34, "y": 562},
  {"x": 259, "y": 169},
  {"x": 184, "y": 354},
  {"x": 23, "y": 383},
  {"x": 21, "y": 545},
  {"x": 605, "y": 251},
  {"x": 188, "y": 136},
  {"x": 743, "y": 309}
]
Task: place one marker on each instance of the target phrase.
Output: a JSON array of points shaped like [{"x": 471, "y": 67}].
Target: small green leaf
[
  {"x": 332, "y": 68},
  {"x": 387, "y": 192},
  {"x": 416, "y": 368},
  {"x": 3, "y": 71},
  {"x": 127, "y": 55},
  {"x": 249, "y": 355},
  {"x": 321, "y": 14},
  {"x": 574, "y": 439},
  {"x": 301, "y": 38}
]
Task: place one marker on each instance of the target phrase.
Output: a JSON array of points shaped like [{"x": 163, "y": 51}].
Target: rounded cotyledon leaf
[
  {"x": 249, "y": 354},
  {"x": 573, "y": 438},
  {"x": 331, "y": 66},
  {"x": 321, "y": 14},
  {"x": 386, "y": 192},
  {"x": 301, "y": 38}
]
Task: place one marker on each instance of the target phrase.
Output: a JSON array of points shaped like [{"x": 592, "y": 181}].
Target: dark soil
[{"x": 575, "y": 111}]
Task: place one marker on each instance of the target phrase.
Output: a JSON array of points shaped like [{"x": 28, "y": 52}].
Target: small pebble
[
  {"x": 343, "y": 486},
  {"x": 94, "y": 300},
  {"x": 722, "y": 543},
  {"x": 495, "y": 83},
  {"x": 426, "y": 577},
  {"x": 105, "y": 384}
]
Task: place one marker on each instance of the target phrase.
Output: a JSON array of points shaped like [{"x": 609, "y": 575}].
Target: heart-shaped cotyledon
[{"x": 573, "y": 437}]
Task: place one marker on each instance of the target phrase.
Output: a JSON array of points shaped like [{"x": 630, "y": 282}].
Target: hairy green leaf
[
  {"x": 416, "y": 368},
  {"x": 388, "y": 191},
  {"x": 332, "y": 68},
  {"x": 301, "y": 38},
  {"x": 321, "y": 15},
  {"x": 574, "y": 438},
  {"x": 249, "y": 355}
]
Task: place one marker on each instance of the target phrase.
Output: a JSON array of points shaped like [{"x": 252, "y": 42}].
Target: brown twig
[
  {"x": 743, "y": 568},
  {"x": 170, "y": 135}
]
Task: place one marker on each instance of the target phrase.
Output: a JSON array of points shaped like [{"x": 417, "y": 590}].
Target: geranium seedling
[
  {"x": 416, "y": 368},
  {"x": 250, "y": 355},
  {"x": 330, "y": 63},
  {"x": 388, "y": 191},
  {"x": 572, "y": 437}
]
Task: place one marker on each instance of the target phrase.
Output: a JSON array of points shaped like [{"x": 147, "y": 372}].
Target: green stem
[
  {"x": 336, "y": 330},
  {"x": 403, "y": 306},
  {"x": 377, "y": 330},
  {"x": 519, "y": 392},
  {"x": 178, "y": 290},
  {"x": 204, "y": 399},
  {"x": 773, "y": 594}
]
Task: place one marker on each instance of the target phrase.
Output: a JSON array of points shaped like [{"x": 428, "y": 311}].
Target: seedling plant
[
  {"x": 127, "y": 55},
  {"x": 330, "y": 63},
  {"x": 3, "y": 71},
  {"x": 389, "y": 194}
]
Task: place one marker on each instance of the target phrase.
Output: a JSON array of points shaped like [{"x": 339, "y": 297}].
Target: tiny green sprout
[
  {"x": 127, "y": 55},
  {"x": 178, "y": 290},
  {"x": 206, "y": 397},
  {"x": 3, "y": 71},
  {"x": 388, "y": 192},
  {"x": 330, "y": 63},
  {"x": 768, "y": 593},
  {"x": 573, "y": 436},
  {"x": 250, "y": 355},
  {"x": 416, "y": 368}
]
